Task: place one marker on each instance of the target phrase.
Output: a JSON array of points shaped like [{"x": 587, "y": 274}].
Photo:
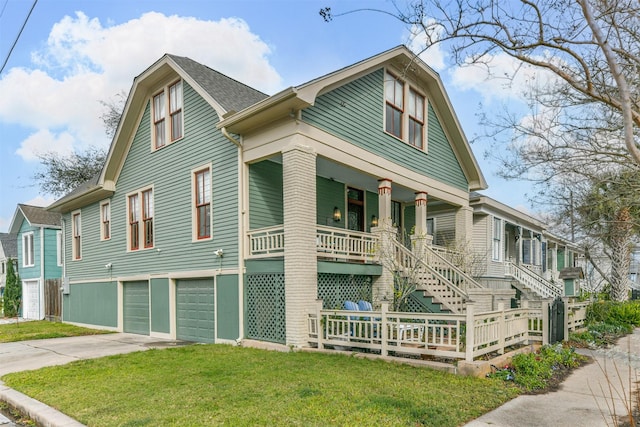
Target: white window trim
[
  {"x": 73, "y": 237},
  {"x": 407, "y": 86},
  {"x": 24, "y": 250},
  {"x": 496, "y": 255},
  {"x": 141, "y": 220},
  {"x": 167, "y": 116},
  {"x": 59, "y": 254},
  {"x": 194, "y": 215},
  {"x": 103, "y": 203}
]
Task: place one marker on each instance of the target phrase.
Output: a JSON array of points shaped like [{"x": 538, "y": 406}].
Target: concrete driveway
[{"x": 29, "y": 355}]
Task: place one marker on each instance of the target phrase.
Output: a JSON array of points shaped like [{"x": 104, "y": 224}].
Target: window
[
  {"x": 175, "y": 110},
  {"x": 431, "y": 226},
  {"x": 394, "y": 99},
  {"x": 416, "y": 118},
  {"x": 158, "y": 120},
  {"x": 497, "y": 239},
  {"x": 105, "y": 221},
  {"x": 147, "y": 217},
  {"x": 59, "y": 248},
  {"x": 203, "y": 203},
  {"x": 169, "y": 99},
  {"x": 76, "y": 231},
  {"x": 27, "y": 250},
  {"x": 140, "y": 212},
  {"x": 404, "y": 111}
]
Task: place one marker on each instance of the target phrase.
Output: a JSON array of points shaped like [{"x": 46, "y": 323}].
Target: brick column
[{"x": 300, "y": 258}]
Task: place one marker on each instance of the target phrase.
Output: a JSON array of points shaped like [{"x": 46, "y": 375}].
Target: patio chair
[{"x": 365, "y": 305}]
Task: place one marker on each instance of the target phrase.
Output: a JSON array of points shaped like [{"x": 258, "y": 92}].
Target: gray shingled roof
[
  {"x": 229, "y": 93},
  {"x": 40, "y": 216},
  {"x": 9, "y": 244}
]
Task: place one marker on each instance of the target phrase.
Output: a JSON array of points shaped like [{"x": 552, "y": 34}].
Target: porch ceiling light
[
  {"x": 374, "y": 221},
  {"x": 337, "y": 215}
]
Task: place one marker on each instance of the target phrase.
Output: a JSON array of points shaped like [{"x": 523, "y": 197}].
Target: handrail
[
  {"x": 456, "y": 298},
  {"x": 531, "y": 280},
  {"x": 459, "y": 275}
]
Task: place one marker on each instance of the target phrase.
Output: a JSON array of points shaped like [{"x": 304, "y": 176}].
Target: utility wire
[{"x": 15, "y": 42}]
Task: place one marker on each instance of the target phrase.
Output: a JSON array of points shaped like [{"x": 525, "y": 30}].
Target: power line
[{"x": 15, "y": 42}]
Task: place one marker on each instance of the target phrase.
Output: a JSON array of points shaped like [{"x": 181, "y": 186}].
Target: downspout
[
  {"x": 42, "y": 271},
  {"x": 241, "y": 231}
]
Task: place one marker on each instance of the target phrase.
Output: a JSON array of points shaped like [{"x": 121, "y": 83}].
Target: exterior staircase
[
  {"x": 529, "y": 282},
  {"x": 436, "y": 276}
]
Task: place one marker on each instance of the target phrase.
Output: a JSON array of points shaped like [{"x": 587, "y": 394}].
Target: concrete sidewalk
[
  {"x": 36, "y": 354},
  {"x": 590, "y": 397}
]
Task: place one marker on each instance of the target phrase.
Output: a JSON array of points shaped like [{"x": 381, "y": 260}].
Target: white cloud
[
  {"x": 433, "y": 56},
  {"x": 43, "y": 142},
  {"x": 4, "y": 224},
  {"x": 500, "y": 78},
  {"x": 40, "y": 201},
  {"x": 85, "y": 62}
]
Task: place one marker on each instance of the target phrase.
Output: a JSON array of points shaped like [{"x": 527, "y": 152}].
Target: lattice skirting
[
  {"x": 335, "y": 289},
  {"x": 265, "y": 313}
]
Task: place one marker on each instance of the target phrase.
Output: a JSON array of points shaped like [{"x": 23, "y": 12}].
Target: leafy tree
[
  {"x": 63, "y": 173},
  {"x": 12, "y": 292}
]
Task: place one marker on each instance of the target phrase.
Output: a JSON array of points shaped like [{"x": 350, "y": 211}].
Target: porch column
[
  {"x": 420, "y": 238},
  {"x": 519, "y": 246},
  {"x": 382, "y": 286},
  {"x": 300, "y": 258},
  {"x": 464, "y": 224},
  {"x": 384, "y": 203}
]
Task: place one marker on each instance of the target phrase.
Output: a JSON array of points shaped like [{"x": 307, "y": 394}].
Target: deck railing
[
  {"x": 531, "y": 280},
  {"x": 331, "y": 242},
  {"x": 438, "y": 335}
]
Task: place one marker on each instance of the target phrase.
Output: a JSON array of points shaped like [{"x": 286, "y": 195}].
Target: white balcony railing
[{"x": 331, "y": 242}]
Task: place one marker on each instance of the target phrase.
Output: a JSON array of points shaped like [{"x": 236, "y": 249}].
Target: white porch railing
[
  {"x": 331, "y": 242},
  {"x": 439, "y": 335},
  {"x": 532, "y": 281}
]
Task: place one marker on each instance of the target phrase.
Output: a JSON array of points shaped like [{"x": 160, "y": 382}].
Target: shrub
[{"x": 12, "y": 292}]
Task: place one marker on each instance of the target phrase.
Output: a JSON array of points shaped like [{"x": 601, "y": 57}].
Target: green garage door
[
  {"x": 136, "y": 307},
  {"x": 195, "y": 310}
]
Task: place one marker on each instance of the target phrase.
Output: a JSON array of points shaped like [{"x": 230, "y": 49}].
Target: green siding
[
  {"x": 329, "y": 195},
  {"x": 409, "y": 218},
  {"x": 349, "y": 268},
  {"x": 264, "y": 266},
  {"x": 560, "y": 259},
  {"x": 169, "y": 171},
  {"x": 569, "y": 288},
  {"x": 371, "y": 206},
  {"x": 80, "y": 305},
  {"x": 354, "y": 112},
  {"x": 51, "y": 268},
  {"x": 228, "y": 307},
  {"x": 265, "y": 194},
  {"x": 160, "y": 321}
]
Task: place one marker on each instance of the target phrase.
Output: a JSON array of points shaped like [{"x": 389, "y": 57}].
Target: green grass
[
  {"x": 219, "y": 384},
  {"x": 38, "y": 330}
]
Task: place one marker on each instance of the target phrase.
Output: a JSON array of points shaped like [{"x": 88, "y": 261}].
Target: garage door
[
  {"x": 136, "y": 307},
  {"x": 195, "y": 312}
]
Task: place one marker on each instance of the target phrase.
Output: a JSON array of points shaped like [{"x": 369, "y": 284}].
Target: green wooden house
[
  {"x": 224, "y": 214},
  {"x": 39, "y": 255}
]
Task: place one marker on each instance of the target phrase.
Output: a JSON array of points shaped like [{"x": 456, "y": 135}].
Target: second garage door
[
  {"x": 195, "y": 310},
  {"x": 136, "y": 307}
]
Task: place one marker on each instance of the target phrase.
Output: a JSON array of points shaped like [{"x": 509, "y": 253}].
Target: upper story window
[
  {"x": 394, "y": 101},
  {"x": 404, "y": 111},
  {"x": 169, "y": 99},
  {"x": 497, "y": 239},
  {"x": 28, "y": 255},
  {"x": 140, "y": 211},
  {"x": 76, "y": 232},
  {"x": 105, "y": 221},
  {"x": 202, "y": 198}
]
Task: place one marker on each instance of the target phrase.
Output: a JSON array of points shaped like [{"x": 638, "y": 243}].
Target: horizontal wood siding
[
  {"x": 445, "y": 229},
  {"x": 51, "y": 268},
  {"x": 265, "y": 194},
  {"x": 329, "y": 195},
  {"x": 354, "y": 112},
  {"x": 169, "y": 171},
  {"x": 480, "y": 241}
]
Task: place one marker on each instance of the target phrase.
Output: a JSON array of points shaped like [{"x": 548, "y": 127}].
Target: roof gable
[
  {"x": 36, "y": 216},
  {"x": 9, "y": 245}
]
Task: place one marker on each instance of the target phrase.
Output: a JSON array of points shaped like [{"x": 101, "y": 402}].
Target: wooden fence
[
  {"x": 452, "y": 336},
  {"x": 53, "y": 300}
]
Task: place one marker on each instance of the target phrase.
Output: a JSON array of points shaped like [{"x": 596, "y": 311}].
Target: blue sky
[{"x": 73, "y": 54}]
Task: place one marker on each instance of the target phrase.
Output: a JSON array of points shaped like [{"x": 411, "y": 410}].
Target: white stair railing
[{"x": 532, "y": 281}]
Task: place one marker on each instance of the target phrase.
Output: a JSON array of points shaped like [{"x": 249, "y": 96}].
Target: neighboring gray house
[{"x": 8, "y": 250}]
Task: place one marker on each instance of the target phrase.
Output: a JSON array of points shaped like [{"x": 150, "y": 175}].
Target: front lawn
[
  {"x": 220, "y": 384},
  {"x": 42, "y": 329}
]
